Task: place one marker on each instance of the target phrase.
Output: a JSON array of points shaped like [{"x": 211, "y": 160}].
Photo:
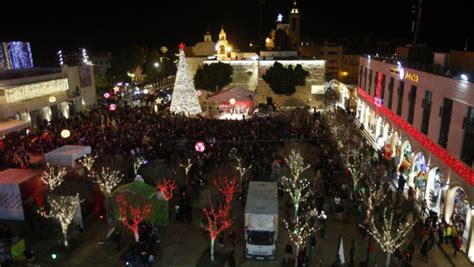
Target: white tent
[
  {"x": 15, "y": 186},
  {"x": 66, "y": 155}
]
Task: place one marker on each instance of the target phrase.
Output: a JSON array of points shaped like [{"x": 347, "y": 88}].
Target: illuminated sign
[
  {"x": 405, "y": 75},
  {"x": 35, "y": 90}
]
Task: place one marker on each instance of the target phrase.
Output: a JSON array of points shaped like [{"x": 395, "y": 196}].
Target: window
[
  {"x": 360, "y": 76},
  {"x": 390, "y": 92},
  {"x": 382, "y": 92},
  {"x": 401, "y": 87},
  {"x": 467, "y": 154},
  {"x": 370, "y": 82},
  {"x": 445, "y": 114},
  {"x": 365, "y": 79},
  {"x": 411, "y": 107},
  {"x": 375, "y": 83},
  {"x": 426, "y": 105}
]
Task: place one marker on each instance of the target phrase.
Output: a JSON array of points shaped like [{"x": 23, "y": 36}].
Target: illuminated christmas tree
[{"x": 184, "y": 99}]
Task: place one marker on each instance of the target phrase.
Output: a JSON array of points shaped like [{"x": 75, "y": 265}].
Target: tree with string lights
[
  {"x": 217, "y": 219},
  {"x": 300, "y": 229},
  {"x": 132, "y": 211},
  {"x": 166, "y": 187},
  {"x": 107, "y": 180},
  {"x": 227, "y": 188},
  {"x": 390, "y": 234},
  {"x": 137, "y": 164},
  {"x": 62, "y": 208},
  {"x": 187, "y": 167},
  {"x": 52, "y": 177},
  {"x": 241, "y": 169},
  {"x": 296, "y": 185},
  {"x": 88, "y": 161}
]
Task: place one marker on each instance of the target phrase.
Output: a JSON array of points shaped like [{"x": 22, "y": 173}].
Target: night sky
[{"x": 69, "y": 25}]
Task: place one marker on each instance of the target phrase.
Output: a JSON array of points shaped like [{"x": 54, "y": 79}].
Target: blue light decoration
[{"x": 16, "y": 55}]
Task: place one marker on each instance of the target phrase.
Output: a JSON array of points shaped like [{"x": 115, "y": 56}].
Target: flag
[{"x": 340, "y": 252}]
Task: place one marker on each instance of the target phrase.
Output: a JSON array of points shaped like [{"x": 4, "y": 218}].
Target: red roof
[{"x": 237, "y": 93}]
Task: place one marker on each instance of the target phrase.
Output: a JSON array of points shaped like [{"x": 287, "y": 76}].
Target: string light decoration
[
  {"x": 373, "y": 197},
  {"x": 456, "y": 165},
  {"x": 227, "y": 188},
  {"x": 241, "y": 169},
  {"x": 184, "y": 99},
  {"x": 88, "y": 161},
  {"x": 62, "y": 208},
  {"x": 132, "y": 212},
  {"x": 107, "y": 179},
  {"x": 299, "y": 231},
  {"x": 217, "y": 221},
  {"x": 35, "y": 90},
  {"x": 166, "y": 187},
  {"x": 53, "y": 178},
  {"x": 295, "y": 185},
  {"x": 60, "y": 58},
  {"x": 137, "y": 164},
  {"x": 391, "y": 234}
]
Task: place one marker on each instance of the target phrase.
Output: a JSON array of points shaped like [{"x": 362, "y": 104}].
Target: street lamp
[{"x": 156, "y": 64}]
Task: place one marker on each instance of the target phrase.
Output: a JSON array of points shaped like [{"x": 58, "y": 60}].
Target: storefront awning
[{"x": 9, "y": 126}]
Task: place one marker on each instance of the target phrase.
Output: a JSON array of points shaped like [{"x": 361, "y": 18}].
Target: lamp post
[{"x": 156, "y": 65}]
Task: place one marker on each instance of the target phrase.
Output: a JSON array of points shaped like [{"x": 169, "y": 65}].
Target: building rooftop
[{"x": 435, "y": 69}]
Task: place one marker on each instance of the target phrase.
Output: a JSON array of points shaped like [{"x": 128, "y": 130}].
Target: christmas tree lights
[
  {"x": 133, "y": 210},
  {"x": 184, "y": 99},
  {"x": 166, "y": 187},
  {"x": 53, "y": 178},
  {"x": 62, "y": 208}
]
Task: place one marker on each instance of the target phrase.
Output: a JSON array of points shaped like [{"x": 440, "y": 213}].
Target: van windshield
[{"x": 260, "y": 238}]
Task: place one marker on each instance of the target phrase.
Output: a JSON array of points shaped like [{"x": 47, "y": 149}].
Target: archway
[
  {"x": 372, "y": 124},
  {"x": 378, "y": 128},
  {"x": 434, "y": 189},
  {"x": 458, "y": 212},
  {"x": 393, "y": 143},
  {"x": 366, "y": 118},
  {"x": 417, "y": 176},
  {"x": 405, "y": 157},
  {"x": 386, "y": 129}
]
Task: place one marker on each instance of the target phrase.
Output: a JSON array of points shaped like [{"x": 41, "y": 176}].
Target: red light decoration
[
  {"x": 227, "y": 188},
  {"x": 198, "y": 92},
  {"x": 106, "y": 95},
  {"x": 200, "y": 147},
  {"x": 217, "y": 219},
  {"x": 132, "y": 214},
  {"x": 182, "y": 46},
  {"x": 456, "y": 165},
  {"x": 378, "y": 92},
  {"x": 112, "y": 107},
  {"x": 166, "y": 187}
]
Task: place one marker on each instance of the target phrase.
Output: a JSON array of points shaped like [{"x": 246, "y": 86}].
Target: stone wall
[{"x": 248, "y": 74}]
